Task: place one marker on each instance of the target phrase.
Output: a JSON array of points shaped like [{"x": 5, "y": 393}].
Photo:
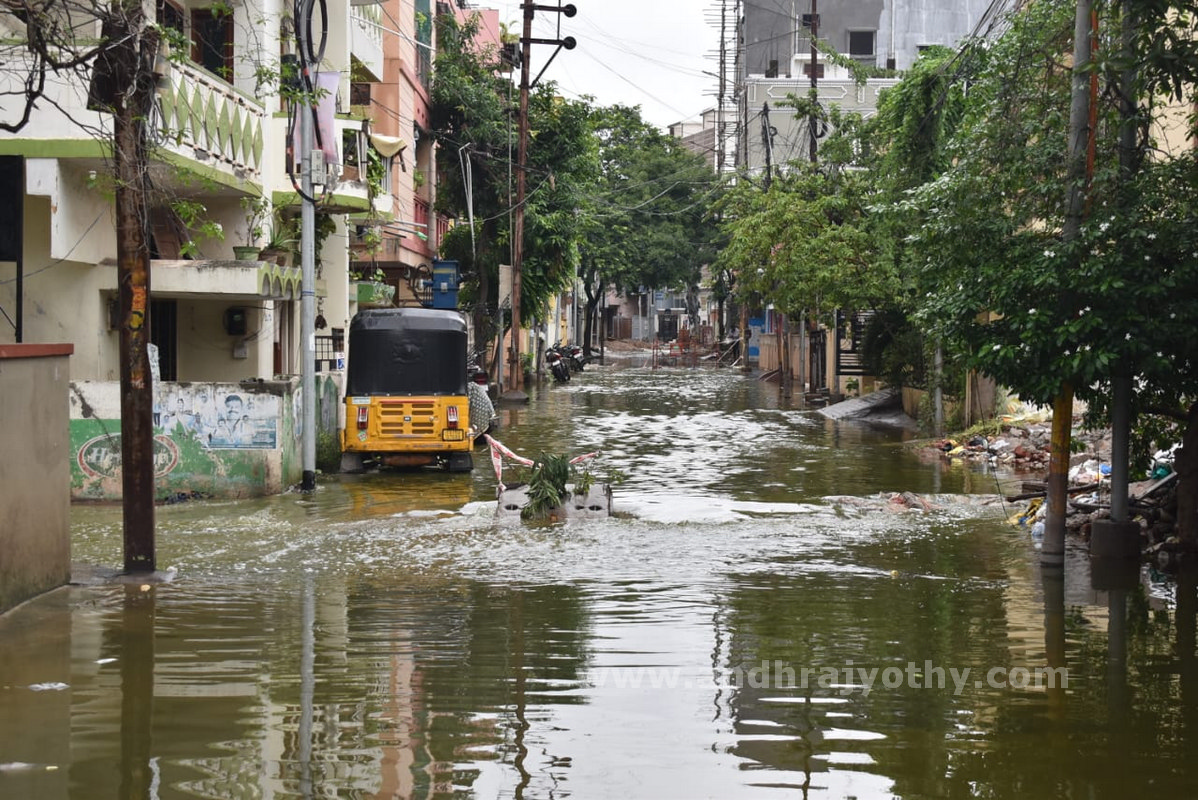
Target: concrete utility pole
[
  {"x": 784, "y": 369},
  {"x": 1117, "y": 537},
  {"x": 813, "y": 137},
  {"x": 308, "y": 299},
  {"x": 1052, "y": 552}
]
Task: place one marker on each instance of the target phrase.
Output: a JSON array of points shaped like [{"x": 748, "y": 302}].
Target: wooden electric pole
[{"x": 129, "y": 67}]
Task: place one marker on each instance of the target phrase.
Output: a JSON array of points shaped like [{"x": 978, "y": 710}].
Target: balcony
[
  {"x": 234, "y": 280},
  {"x": 347, "y": 191},
  {"x": 366, "y": 38},
  {"x": 210, "y": 126}
]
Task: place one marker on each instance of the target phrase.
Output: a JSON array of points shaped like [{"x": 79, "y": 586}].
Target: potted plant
[
  {"x": 256, "y": 210},
  {"x": 279, "y": 240},
  {"x": 372, "y": 289}
]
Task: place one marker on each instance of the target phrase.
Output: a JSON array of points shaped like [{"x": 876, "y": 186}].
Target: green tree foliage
[
  {"x": 474, "y": 117},
  {"x": 1032, "y": 309},
  {"x": 646, "y": 221},
  {"x": 804, "y": 244},
  {"x": 1000, "y": 284},
  {"x": 905, "y": 146}
]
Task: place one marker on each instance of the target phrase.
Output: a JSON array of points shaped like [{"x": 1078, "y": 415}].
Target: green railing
[{"x": 206, "y": 119}]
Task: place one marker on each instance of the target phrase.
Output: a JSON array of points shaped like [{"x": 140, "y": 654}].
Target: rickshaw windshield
[{"x": 406, "y": 351}]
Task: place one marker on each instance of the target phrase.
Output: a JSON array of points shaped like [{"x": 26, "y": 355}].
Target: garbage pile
[
  {"x": 1152, "y": 503},
  {"x": 1022, "y": 447}
]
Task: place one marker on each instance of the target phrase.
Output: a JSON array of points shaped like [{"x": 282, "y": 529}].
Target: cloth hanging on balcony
[{"x": 389, "y": 147}]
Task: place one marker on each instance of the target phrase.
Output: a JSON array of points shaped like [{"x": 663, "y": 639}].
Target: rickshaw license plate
[{"x": 453, "y": 436}]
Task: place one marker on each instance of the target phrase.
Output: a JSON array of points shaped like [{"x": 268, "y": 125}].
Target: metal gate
[
  {"x": 817, "y": 357},
  {"x": 850, "y": 332}
]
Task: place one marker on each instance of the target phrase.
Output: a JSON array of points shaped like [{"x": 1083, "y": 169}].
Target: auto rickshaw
[{"x": 405, "y": 391}]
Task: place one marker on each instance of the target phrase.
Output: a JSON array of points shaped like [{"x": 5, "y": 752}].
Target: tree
[
  {"x": 646, "y": 221},
  {"x": 473, "y": 118},
  {"x": 471, "y": 115},
  {"x": 804, "y": 244},
  {"x": 1036, "y": 299}
]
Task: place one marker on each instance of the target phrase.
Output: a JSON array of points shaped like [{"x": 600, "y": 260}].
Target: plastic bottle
[{"x": 1038, "y": 534}]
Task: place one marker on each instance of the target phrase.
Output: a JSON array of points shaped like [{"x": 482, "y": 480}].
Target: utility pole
[
  {"x": 767, "y": 140},
  {"x": 1122, "y": 381},
  {"x": 526, "y": 42},
  {"x": 1052, "y": 552},
  {"x": 129, "y": 107},
  {"x": 767, "y": 145},
  {"x": 1117, "y": 537},
  {"x": 308, "y": 298},
  {"x": 719, "y": 110},
  {"x": 515, "y": 379}
]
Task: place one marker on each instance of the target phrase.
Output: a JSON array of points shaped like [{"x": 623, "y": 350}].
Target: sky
[{"x": 651, "y": 53}]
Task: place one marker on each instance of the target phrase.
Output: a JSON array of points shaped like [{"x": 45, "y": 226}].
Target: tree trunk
[
  {"x": 593, "y": 298},
  {"x": 1052, "y": 551},
  {"x": 1185, "y": 462}
]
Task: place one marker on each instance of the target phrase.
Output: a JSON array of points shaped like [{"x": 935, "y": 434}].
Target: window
[
  {"x": 170, "y": 15},
  {"x": 819, "y": 70},
  {"x": 861, "y": 45},
  {"x": 359, "y": 93},
  {"x": 212, "y": 41}
]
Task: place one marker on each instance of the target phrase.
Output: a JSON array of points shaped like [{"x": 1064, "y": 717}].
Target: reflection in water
[
  {"x": 138, "y": 770},
  {"x": 385, "y": 638}
]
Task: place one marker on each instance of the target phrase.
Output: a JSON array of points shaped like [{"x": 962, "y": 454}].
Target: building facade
[{"x": 776, "y": 63}]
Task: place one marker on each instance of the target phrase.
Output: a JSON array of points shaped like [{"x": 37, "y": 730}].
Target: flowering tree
[{"x": 1038, "y": 309}]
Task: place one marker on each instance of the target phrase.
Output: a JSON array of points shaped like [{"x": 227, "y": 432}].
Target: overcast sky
[{"x": 651, "y": 53}]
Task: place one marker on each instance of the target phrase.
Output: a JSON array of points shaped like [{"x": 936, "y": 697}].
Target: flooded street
[{"x": 754, "y": 621}]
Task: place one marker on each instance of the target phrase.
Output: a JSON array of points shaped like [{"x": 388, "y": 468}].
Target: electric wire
[{"x": 56, "y": 262}]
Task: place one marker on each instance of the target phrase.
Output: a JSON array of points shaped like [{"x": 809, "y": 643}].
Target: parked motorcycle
[
  {"x": 578, "y": 359},
  {"x": 557, "y": 366},
  {"x": 572, "y": 355}
]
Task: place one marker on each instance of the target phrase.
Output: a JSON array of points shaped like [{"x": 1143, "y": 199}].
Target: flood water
[{"x": 387, "y": 638}]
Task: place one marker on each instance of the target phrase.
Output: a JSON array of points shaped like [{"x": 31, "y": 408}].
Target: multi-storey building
[
  {"x": 776, "y": 62},
  {"x": 224, "y": 172}
]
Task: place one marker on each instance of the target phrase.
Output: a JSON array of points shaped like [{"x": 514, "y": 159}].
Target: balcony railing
[
  {"x": 205, "y": 119},
  {"x": 366, "y": 37}
]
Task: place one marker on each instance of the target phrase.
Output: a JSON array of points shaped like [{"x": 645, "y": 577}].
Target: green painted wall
[{"x": 216, "y": 440}]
